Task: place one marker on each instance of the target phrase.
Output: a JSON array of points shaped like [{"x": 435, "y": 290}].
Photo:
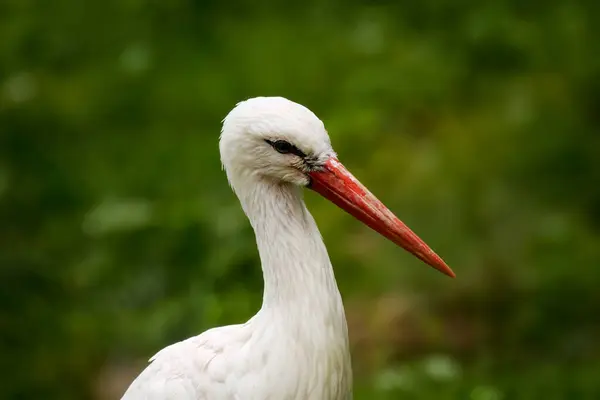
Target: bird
[{"x": 296, "y": 346}]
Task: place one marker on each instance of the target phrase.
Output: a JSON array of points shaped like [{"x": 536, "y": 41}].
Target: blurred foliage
[{"x": 477, "y": 122}]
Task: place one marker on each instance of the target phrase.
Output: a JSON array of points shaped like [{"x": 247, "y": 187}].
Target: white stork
[{"x": 296, "y": 346}]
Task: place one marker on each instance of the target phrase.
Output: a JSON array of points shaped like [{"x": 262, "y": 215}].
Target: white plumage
[{"x": 296, "y": 346}]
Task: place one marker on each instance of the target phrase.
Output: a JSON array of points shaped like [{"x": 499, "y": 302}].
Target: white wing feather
[
  {"x": 248, "y": 362},
  {"x": 187, "y": 371}
]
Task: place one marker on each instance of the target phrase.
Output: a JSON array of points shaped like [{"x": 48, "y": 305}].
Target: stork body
[{"x": 296, "y": 346}]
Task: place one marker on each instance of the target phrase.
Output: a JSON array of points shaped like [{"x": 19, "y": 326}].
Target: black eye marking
[
  {"x": 282, "y": 146},
  {"x": 285, "y": 147}
]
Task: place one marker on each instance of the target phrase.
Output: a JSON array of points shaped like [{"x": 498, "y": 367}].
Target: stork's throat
[{"x": 296, "y": 266}]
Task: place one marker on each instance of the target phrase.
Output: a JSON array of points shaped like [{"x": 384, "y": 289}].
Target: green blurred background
[{"x": 478, "y": 123}]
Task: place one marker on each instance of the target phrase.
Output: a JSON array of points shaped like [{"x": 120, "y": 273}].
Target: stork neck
[{"x": 296, "y": 267}]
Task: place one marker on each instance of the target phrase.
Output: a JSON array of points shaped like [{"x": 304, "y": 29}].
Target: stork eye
[{"x": 285, "y": 147}]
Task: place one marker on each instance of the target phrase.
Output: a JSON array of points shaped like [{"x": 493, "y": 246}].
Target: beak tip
[
  {"x": 441, "y": 266},
  {"x": 447, "y": 271},
  {"x": 435, "y": 261}
]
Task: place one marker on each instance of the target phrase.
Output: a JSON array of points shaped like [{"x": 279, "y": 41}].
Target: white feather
[{"x": 296, "y": 346}]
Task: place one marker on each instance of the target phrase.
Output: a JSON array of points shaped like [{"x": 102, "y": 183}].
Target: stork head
[
  {"x": 278, "y": 140},
  {"x": 274, "y": 138}
]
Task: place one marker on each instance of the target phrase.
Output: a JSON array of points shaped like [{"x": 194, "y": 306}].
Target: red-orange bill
[{"x": 338, "y": 185}]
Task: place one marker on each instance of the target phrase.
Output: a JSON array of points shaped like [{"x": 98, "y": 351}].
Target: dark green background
[{"x": 477, "y": 122}]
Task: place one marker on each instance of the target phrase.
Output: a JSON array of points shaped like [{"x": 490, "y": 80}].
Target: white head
[
  {"x": 273, "y": 138},
  {"x": 276, "y": 140}
]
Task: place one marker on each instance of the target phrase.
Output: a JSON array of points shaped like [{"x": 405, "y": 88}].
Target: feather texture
[{"x": 296, "y": 346}]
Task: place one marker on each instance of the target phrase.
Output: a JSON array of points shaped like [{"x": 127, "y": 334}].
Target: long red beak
[{"x": 338, "y": 185}]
